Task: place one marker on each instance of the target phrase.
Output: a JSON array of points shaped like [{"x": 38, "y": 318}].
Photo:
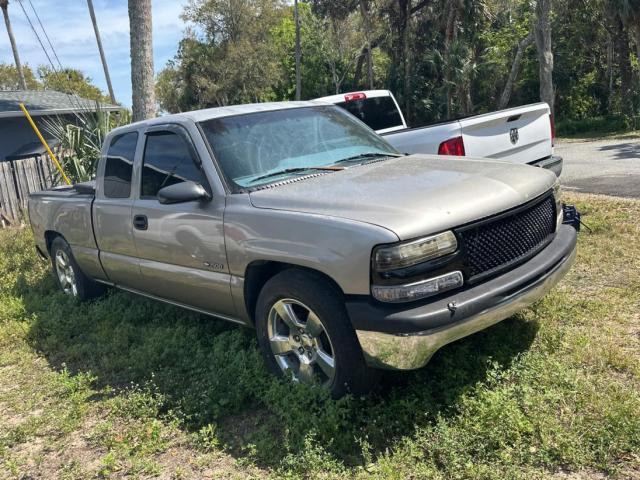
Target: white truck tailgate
[{"x": 518, "y": 135}]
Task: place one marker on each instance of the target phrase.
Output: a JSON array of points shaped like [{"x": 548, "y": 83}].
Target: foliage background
[
  {"x": 448, "y": 58},
  {"x": 67, "y": 80}
]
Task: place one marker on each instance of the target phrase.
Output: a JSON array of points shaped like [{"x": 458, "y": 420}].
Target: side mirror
[{"x": 182, "y": 192}]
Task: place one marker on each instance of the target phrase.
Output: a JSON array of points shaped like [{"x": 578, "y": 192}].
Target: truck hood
[{"x": 413, "y": 195}]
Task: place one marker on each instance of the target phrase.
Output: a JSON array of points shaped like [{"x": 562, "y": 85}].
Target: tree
[
  {"x": 4, "y": 4},
  {"x": 366, "y": 20},
  {"x": 315, "y": 72},
  {"x": 142, "y": 77},
  {"x": 170, "y": 89},
  {"x": 400, "y": 13},
  {"x": 234, "y": 59},
  {"x": 67, "y": 80},
  {"x": 342, "y": 45},
  {"x": 441, "y": 58},
  {"x": 341, "y": 38},
  {"x": 629, "y": 12},
  {"x": 515, "y": 68},
  {"x": 542, "y": 31},
  {"x": 10, "y": 78},
  {"x": 403, "y": 37},
  {"x": 621, "y": 48},
  {"x": 298, "y": 52},
  {"x": 70, "y": 80}
]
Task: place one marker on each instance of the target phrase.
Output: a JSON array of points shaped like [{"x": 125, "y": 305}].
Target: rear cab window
[
  {"x": 168, "y": 160},
  {"x": 378, "y": 113},
  {"x": 119, "y": 165}
]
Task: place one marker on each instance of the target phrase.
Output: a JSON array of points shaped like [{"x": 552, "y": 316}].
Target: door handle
[{"x": 140, "y": 222}]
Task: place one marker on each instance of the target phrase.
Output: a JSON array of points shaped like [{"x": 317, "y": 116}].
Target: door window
[
  {"x": 119, "y": 166},
  {"x": 167, "y": 160}
]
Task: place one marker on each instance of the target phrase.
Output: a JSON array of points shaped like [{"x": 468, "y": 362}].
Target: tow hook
[{"x": 571, "y": 216}]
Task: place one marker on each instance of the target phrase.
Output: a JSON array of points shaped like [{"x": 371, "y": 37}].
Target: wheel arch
[
  {"x": 49, "y": 237},
  {"x": 259, "y": 272}
]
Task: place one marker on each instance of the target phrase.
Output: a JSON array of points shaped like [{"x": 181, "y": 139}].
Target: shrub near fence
[{"x": 18, "y": 178}]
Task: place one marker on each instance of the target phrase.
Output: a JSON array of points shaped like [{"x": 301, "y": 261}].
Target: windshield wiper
[
  {"x": 294, "y": 170},
  {"x": 361, "y": 156}
]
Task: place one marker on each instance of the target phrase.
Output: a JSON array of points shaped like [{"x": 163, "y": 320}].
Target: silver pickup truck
[{"x": 298, "y": 220}]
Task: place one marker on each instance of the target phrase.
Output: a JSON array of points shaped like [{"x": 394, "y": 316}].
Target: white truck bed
[{"x": 519, "y": 135}]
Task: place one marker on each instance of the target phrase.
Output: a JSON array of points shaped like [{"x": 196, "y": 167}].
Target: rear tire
[
  {"x": 71, "y": 280},
  {"x": 304, "y": 332}
]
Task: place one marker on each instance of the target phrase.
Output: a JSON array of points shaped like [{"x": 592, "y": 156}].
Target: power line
[
  {"x": 35, "y": 32},
  {"x": 45, "y": 34},
  {"x": 72, "y": 97}
]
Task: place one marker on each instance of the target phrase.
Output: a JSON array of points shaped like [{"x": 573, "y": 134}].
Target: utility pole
[
  {"x": 102, "y": 57},
  {"x": 297, "y": 20},
  {"x": 4, "y": 4}
]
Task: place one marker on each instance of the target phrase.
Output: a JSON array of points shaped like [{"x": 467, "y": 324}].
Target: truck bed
[
  {"x": 518, "y": 135},
  {"x": 64, "y": 210}
]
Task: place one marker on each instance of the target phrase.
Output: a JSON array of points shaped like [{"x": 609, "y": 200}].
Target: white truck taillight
[
  {"x": 453, "y": 146},
  {"x": 552, "y": 124}
]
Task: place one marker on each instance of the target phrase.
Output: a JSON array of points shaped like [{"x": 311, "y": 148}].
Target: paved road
[{"x": 610, "y": 167}]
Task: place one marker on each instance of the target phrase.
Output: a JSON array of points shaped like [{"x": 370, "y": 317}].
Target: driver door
[{"x": 180, "y": 246}]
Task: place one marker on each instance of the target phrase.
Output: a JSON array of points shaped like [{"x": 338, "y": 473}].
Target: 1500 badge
[{"x": 213, "y": 265}]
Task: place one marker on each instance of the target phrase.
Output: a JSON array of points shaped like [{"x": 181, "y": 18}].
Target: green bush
[{"x": 593, "y": 126}]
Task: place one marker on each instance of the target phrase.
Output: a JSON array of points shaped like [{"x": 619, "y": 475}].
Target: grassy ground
[{"x": 125, "y": 387}]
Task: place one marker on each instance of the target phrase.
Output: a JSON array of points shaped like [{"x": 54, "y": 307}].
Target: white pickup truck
[{"x": 520, "y": 135}]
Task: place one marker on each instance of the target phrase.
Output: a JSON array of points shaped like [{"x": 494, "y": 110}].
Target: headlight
[
  {"x": 557, "y": 196},
  {"x": 400, "y": 255},
  {"x": 417, "y": 290}
]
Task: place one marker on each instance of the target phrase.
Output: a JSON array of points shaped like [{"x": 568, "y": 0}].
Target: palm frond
[{"x": 80, "y": 143}]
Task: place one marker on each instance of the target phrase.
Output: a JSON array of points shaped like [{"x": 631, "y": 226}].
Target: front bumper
[{"x": 405, "y": 337}]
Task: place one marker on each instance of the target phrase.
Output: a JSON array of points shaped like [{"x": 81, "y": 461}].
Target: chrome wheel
[
  {"x": 66, "y": 275},
  {"x": 299, "y": 342}
]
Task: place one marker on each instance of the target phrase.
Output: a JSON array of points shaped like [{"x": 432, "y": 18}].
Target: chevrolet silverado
[{"x": 299, "y": 221}]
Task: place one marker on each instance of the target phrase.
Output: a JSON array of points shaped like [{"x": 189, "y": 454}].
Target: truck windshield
[
  {"x": 377, "y": 112},
  {"x": 265, "y": 147}
]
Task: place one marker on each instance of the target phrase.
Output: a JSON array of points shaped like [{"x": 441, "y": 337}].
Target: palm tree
[
  {"x": 629, "y": 11},
  {"x": 4, "y": 4},
  {"x": 542, "y": 29},
  {"x": 142, "y": 81}
]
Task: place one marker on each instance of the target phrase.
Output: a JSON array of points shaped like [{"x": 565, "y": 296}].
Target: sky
[{"x": 69, "y": 27}]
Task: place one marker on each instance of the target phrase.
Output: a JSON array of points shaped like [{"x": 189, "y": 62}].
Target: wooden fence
[{"x": 18, "y": 178}]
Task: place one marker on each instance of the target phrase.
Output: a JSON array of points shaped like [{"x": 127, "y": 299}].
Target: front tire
[
  {"x": 304, "y": 332},
  {"x": 71, "y": 280}
]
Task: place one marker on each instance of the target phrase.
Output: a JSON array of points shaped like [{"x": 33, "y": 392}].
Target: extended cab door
[
  {"x": 112, "y": 211},
  {"x": 180, "y": 246}
]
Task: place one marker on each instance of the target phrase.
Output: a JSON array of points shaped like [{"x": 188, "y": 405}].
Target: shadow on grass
[{"x": 210, "y": 371}]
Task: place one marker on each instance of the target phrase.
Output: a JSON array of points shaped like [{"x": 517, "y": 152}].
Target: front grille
[{"x": 493, "y": 245}]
